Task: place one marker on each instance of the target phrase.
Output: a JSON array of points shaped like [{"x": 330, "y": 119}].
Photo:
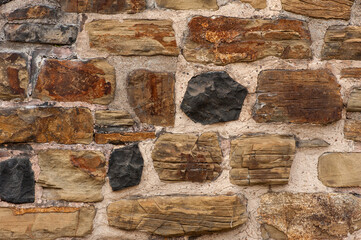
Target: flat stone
[
  {"x": 351, "y": 73},
  {"x": 73, "y": 80},
  {"x": 224, "y": 40},
  {"x": 178, "y": 215},
  {"x": 125, "y": 167},
  {"x": 298, "y": 96},
  {"x": 113, "y": 118},
  {"x": 354, "y": 101},
  {"x": 17, "y": 184},
  {"x": 187, "y": 157},
  {"x": 33, "y": 12},
  {"x": 257, "y": 4},
  {"x": 213, "y": 97},
  {"x": 312, "y": 143},
  {"x": 188, "y": 4},
  {"x": 352, "y": 130},
  {"x": 133, "y": 37},
  {"x": 123, "y": 137},
  {"x": 151, "y": 94}
]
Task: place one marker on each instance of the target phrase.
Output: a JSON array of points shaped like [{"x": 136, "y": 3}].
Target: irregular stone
[
  {"x": 133, "y": 37},
  {"x": 125, "y": 167},
  {"x": 213, "y": 97},
  {"x": 151, "y": 94},
  {"x": 33, "y": 12},
  {"x": 351, "y": 73},
  {"x": 75, "y": 176},
  {"x": 262, "y": 159},
  {"x": 224, "y": 40},
  {"x": 298, "y": 96},
  {"x": 257, "y": 4},
  {"x": 186, "y": 157},
  {"x": 123, "y": 137},
  {"x": 113, "y": 118},
  {"x": 46, "y": 124},
  {"x": 188, "y": 4},
  {"x": 178, "y": 215},
  {"x": 352, "y": 130},
  {"x": 310, "y": 216},
  {"x": 73, "y": 80},
  {"x": 313, "y": 143},
  {"x": 45, "y": 223},
  {"x": 354, "y": 101},
  {"x": 17, "y": 184}
]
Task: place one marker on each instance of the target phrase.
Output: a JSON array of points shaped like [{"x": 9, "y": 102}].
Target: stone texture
[
  {"x": 298, "y": 96},
  {"x": 213, "y": 97},
  {"x": 113, "y": 118},
  {"x": 123, "y": 137},
  {"x": 46, "y": 124},
  {"x": 4, "y": 1},
  {"x": 352, "y": 130},
  {"x": 354, "y": 101},
  {"x": 328, "y": 9},
  {"x": 262, "y": 159},
  {"x": 223, "y": 40},
  {"x": 75, "y": 176},
  {"x": 316, "y": 216},
  {"x": 351, "y": 73},
  {"x": 186, "y": 157},
  {"x": 33, "y": 12},
  {"x": 178, "y": 215},
  {"x": 73, "y": 80},
  {"x": 257, "y": 4},
  {"x": 125, "y": 167},
  {"x": 187, "y": 4},
  {"x": 312, "y": 143},
  {"x": 45, "y": 223},
  {"x": 133, "y": 37},
  {"x": 17, "y": 184}
]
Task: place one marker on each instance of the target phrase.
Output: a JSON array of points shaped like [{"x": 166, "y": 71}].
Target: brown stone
[
  {"x": 188, "y": 4},
  {"x": 352, "y": 130},
  {"x": 298, "y": 96},
  {"x": 46, "y": 124},
  {"x": 73, "y": 80},
  {"x": 133, "y": 37},
  {"x": 113, "y": 118},
  {"x": 257, "y": 4},
  {"x": 33, "y": 12},
  {"x": 351, "y": 73},
  {"x": 45, "y": 223},
  {"x": 151, "y": 94},
  {"x": 223, "y": 40},
  {"x": 124, "y": 137},
  {"x": 178, "y": 215},
  {"x": 312, "y": 143},
  {"x": 354, "y": 101},
  {"x": 185, "y": 157}
]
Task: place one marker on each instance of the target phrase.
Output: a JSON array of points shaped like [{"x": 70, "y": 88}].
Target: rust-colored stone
[
  {"x": 92, "y": 164},
  {"x": 124, "y": 137},
  {"x": 103, "y": 6},
  {"x": 33, "y": 12},
  {"x": 351, "y": 73}
]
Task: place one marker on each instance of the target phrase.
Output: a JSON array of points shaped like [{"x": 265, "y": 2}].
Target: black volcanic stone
[
  {"x": 125, "y": 167},
  {"x": 17, "y": 184},
  {"x": 213, "y": 97}
]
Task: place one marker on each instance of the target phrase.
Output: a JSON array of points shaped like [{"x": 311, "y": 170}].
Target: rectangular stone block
[
  {"x": 187, "y": 4},
  {"x": 113, "y": 118},
  {"x": 33, "y": 12},
  {"x": 354, "y": 101},
  {"x": 351, "y": 73},
  {"x": 352, "y": 130},
  {"x": 123, "y": 137}
]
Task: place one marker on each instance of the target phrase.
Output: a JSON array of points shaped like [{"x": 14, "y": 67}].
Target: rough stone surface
[
  {"x": 113, "y": 118},
  {"x": 178, "y": 215},
  {"x": 213, "y": 97},
  {"x": 17, "y": 184},
  {"x": 312, "y": 143},
  {"x": 223, "y": 40},
  {"x": 73, "y": 80},
  {"x": 4, "y": 1},
  {"x": 351, "y": 73},
  {"x": 257, "y": 4},
  {"x": 151, "y": 94},
  {"x": 33, "y": 12},
  {"x": 298, "y": 96},
  {"x": 125, "y": 167},
  {"x": 187, "y": 4},
  {"x": 124, "y": 137},
  {"x": 352, "y": 130},
  {"x": 354, "y": 101},
  {"x": 133, "y": 37}
]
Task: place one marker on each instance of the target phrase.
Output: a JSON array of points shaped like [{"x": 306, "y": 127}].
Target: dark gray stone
[
  {"x": 125, "y": 167},
  {"x": 4, "y": 1},
  {"x": 17, "y": 184},
  {"x": 213, "y": 97}
]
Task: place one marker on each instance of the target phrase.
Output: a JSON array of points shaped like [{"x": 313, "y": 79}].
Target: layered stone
[
  {"x": 351, "y": 73},
  {"x": 33, "y": 12},
  {"x": 352, "y": 130},
  {"x": 119, "y": 138},
  {"x": 113, "y": 118},
  {"x": 354, "y": 101},
  {"x": 312, "y": 143},
  {"x": 257, "y": 4},
  {"x": 188, "y": 4}
]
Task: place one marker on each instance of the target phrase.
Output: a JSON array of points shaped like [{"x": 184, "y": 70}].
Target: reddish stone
[{"x": 121, "y": 138}]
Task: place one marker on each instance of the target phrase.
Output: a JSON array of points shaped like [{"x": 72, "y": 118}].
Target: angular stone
[
  {"x": 354, "y": 101},
  {"x": 342, "y": 42},
  {"x": 178, "y": 215},
  {"x": 313, "y": 143},
  {"x": 336, "y": 9},
  {"x": 73, "y": 80},
  {"x": 352, "y": 130},
  {"x": 213, "y": 97},
  {"x": 33, "y": 12},
  {"x": 351, "y": 73},
  {"x": 151, "y": 94},
  {"x": 262, "y": 159},
  {"x": 223, "y": 40},
  {"x": 188, "y": 4},
  {"x": 186, "y": 157},
  {"x": 125, "y": 167},
  {"x": 257, "y": 4},
  {"x": 17, "y": 184},
  {"x": 46, "y": 124},
  {"x": 310, "y": 216},
  {"x": 41, "y": 33},
  {"x": 133, "y": 37},
  {"x": 113, "y": 118},
  {"x": 298, "y": 96},
  {"x": 45, "y": 223},
  {"x": 123, "y": 137}
]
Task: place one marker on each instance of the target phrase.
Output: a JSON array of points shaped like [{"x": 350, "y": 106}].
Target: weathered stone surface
[
  {"x": 257, "y": 4},
  {"x": 351, "y": 73},
  {"x": 213, "y": 97},
  {"x": 41, "y": 33},
  {"x": 298, "y": 96},
  {"x": 133, "y": 37},
  {"x": 45, "y": 223},
  {"x": 75, "y": 176},
  {"x": 113, "y": 118},
  {"x": 17, "y": 184},
  {"x": 178, "y": 215},
  {"x": 14, "y": 76},
  {"x": 310, "y": 216},
  {"x": 352, "y": 130},
  {"x": 223, "y": 40},
  {"x": 186, "y": 157},
  {"x": 73, "y": 80},
  {"x": 124, "y": 137},
  {"x": 48, "y": 124},
  {"x": 337, "y": 9},
  {"x": 151, "y": 94},
  {"x": 354, "y": 101},
  {"x": 312, "y": 143},
  {"x": 33, "y": 12},
  {"x": 188, "y": 4},
  {"x": 125, "y": 167},
  {"x": 342, "y": 42},
  {"x": 4, "y": 1},
  {"x": 261, "y": 159}
]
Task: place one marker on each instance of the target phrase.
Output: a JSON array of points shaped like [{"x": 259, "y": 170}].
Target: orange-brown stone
[
  {"x": 121, "y": 138},
  {"x": 33, "y": 12}
]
